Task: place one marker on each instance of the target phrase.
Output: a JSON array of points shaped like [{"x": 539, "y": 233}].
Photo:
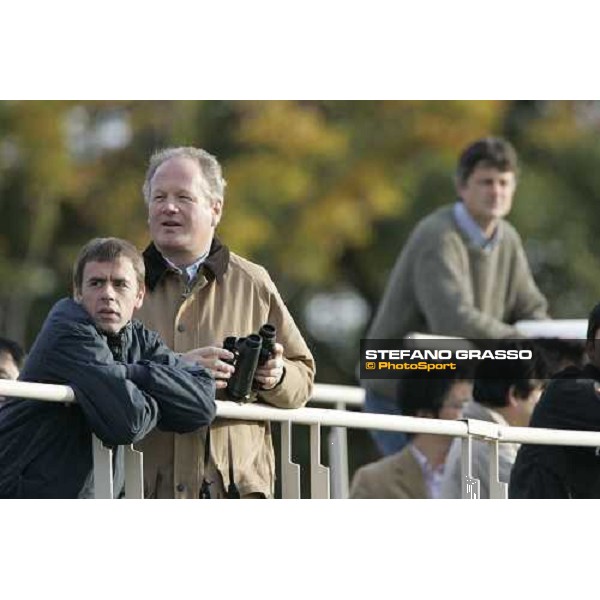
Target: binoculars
[{"x": 248, "y": 353}]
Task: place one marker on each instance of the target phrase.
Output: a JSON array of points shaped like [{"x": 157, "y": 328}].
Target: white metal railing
[
  {"x": 339, "y": 397},
  {"x": 316, "y": 418},
  {"x": 322, "y": 484},
  {"x": 572, "y": 329},
  {"x": 39, "y": 391},
  {"x": 568, "y": 329}
]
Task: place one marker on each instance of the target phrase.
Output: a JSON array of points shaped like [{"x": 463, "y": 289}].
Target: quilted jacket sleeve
[
  {"x": 185, "y": 393},
  {"x": 73, "y": 353}
]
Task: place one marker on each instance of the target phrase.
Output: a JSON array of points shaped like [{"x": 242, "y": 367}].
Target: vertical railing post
[
  {"x": 290, "y": 472},
  {"x": 338, "y": 458},
  {"x": 103, "y": 469},
  {"x": 319, "y": 475},
  {"x": 134, "y": 473},
  {"x": 469, "y": 486},
  {"x": 498, "y": 489}
]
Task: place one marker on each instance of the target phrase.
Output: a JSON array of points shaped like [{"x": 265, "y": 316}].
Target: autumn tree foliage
[{"x": 323, "y": 193}]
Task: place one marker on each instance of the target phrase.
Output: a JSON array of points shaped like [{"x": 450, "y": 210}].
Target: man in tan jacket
[
  {"x": 416, "y": 471},
  {"x": 198, "y": 293}
]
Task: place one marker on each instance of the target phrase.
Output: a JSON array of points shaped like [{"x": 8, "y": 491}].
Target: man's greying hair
[
  {"x": 488, "y": 152},
  {"x": 107, "y": 250},
  {"x": 213, "y": 183}
]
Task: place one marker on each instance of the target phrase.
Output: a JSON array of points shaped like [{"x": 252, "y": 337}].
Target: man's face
[
  {"x": 487, "y": 194},
  {"x": 459, "y": 394},
  {"x": 181, "y": 217},
  {"x": 8, "y": 368},
  {"x": 110, "y": 293}
]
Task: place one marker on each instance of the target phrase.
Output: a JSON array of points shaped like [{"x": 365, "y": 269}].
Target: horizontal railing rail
[
  {"x": 339, "y": 396},
  {"x": 316, "y": 418},
  {"x": 37, "y": 391},
  {"x": 572, "y": 329},
  {"x": 323, "y": 392},
  {"x": 339, "y": 418}
]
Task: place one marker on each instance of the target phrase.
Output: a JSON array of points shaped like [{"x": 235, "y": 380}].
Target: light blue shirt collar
[
  {"x": 191, "y": 270},
  {"x": 471, "y": 229}
]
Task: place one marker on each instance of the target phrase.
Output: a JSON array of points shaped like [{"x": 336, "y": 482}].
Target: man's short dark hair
[
  {"x": 14, "y": 349},
  {"x": 494, "y": 378},
  {"x": 427, "y": 393},
  {"x": 107, "y": 250},
  {"x": 488, "y": 152},
  {"x": 593, "y": 323},
  {"x": 560, "y": 353}
]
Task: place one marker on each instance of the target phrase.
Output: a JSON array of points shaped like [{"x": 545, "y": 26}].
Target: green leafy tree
[{"x": 323, "y": 193}]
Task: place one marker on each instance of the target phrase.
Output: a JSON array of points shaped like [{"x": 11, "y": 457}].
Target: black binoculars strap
[
  {"x": 205, "y": 487},
  {"x": 232, "y": 490}
]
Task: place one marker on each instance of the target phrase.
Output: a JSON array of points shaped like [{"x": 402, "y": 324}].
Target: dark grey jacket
[
  {"x": 125, "y": 385},
  {"x": 571, "y": 401}
]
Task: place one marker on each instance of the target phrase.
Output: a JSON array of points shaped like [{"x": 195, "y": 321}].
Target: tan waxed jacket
[
  {"x": 230, "y": 296},
  {"x": 395, "y": 476}
]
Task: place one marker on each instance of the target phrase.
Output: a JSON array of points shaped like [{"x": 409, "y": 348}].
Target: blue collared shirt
[
  {"x": 471, "y": 229},
  {"x": 191, "y": 270}
]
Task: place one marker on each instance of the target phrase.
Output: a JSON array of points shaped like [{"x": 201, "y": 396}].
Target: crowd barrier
[{"x": 315, "y": 419}]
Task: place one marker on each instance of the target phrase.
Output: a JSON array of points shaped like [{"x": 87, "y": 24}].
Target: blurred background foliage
[{"x": 323, "y": 193}]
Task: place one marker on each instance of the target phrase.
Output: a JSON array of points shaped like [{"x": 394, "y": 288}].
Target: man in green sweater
[{"x": 462, "y": 272}]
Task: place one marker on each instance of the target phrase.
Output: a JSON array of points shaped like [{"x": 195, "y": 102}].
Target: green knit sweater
[{"x": 442, "y": 284}]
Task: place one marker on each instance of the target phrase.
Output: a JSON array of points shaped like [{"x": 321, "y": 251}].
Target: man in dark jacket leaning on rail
[
  {"x": 571, "y": 401},
  {"x": 125, "y": 380}
]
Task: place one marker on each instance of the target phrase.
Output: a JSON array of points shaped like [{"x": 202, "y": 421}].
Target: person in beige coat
[
  {"x": 198, "y": 293},
  {"x": 417, "y": 470}
]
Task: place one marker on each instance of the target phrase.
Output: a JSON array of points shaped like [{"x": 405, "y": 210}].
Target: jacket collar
[
  {"x": 409, "y": 475},
  {"x": 121, "y": 337},
  {"x": 69, "y": 310},
  {"x": 216, "y": 263}
]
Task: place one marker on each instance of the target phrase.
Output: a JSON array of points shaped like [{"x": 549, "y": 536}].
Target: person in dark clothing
[
  {"x": 571, "y": 401},
  {"x": 125, "y": 379}
]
